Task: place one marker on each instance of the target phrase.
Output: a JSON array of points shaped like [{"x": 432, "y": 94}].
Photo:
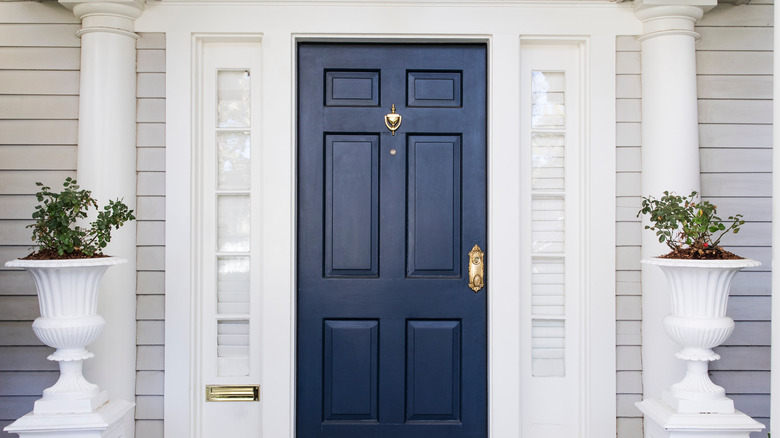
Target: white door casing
[{"x": 590, "y": 29}]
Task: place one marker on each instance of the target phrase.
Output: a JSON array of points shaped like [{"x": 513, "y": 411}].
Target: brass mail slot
[{"x": 232, "y": 392}]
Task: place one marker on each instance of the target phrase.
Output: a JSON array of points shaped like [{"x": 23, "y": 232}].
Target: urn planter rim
[
  {"x": 689, "y": 263},
  {"x": 65, "y": 263}
]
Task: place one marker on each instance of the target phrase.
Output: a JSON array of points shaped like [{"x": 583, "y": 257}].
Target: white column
[
  {"x": 670, "y": 159},
  {"x": 107, "y": 166}
]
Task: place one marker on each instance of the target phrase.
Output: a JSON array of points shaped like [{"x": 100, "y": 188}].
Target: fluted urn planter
[
  {"x": 698, "y": 322},
  {"x": 68, "y": 297}
]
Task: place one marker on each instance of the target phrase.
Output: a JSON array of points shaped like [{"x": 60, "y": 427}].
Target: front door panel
[{"x": 391, "y": 341}]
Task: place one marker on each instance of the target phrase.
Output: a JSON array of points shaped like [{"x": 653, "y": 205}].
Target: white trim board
[{"x": 502, "y": 27}]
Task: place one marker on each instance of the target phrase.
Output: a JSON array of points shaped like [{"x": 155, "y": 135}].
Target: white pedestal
[
  {"x": 661, "y": 421},
  {"x": 112, "y": 420}
]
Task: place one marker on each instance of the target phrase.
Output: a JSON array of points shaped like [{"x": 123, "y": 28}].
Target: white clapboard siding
[
  {"x": 151, "y": 135},
  {"x": 15, "y": 383},
  {"x": 11, "y": 252},
  {"x": 736, "y": 184},
  {"x": 735, "y": 117},
  {"x": 40, "y": 58},
  {"x": 738, "y": 358},
  {"x": 748, "y": 112},
  {"x": 38, "y": 133},
  {"x": 14, "y": 232},
  {"x": 754, "y": 209},
  {"x": 735, "y": 38},
  {"x": 19, "y": 308},
  {"x": 735, "y": 87},
  {"x": 629, "y": 134},
  {"x": 27, "y": 107},
  {"x": 754, "y": 405},
  {"x": 729, "y": 135},
  {"x": 150, "y": 357},
  {"x": 742, "y": 382},
  {"x": 14, "y": 407},
  {"x": 750, "y": 334},
  {"x": 39, "y": 82},
  {"x": 151, "y": 85},
  {"x": 16, "y": 283},
  {"x": 55, "y": 132},
  {"x": 752, "y": 233},
  {"x": 150, "y": 213},
  {"x": 750, "y": 308},
  {"x": 628, "y": 237},
  {"x": 17, "y": 182},
  {"x": 28, "y": 358},
  {"x": 752, "y": 283},
  {"x": 39, "y": 35},
  {"x": 734, "y": 63},
  {"x": 37, "y": 157},
  {"x": 724, "y": 160}
]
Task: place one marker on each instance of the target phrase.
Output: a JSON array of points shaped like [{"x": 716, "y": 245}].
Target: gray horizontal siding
[
  {"x": 734, "y": 61},
  {"x": 628, "y": 238},
  {"x": 38, "y": 132},
  {"x": 735, "y": 125},
  {"x": 150, "y": 285},
  {"x": 39, "y": 83}
]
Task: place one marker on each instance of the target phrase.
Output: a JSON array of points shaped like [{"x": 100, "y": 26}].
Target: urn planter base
[
  {"x": 69, "y": 405},
  {"x": 113, "y": 420},
  {"x": 661, "y": 421},
  {"x": 704, "y": 407}
]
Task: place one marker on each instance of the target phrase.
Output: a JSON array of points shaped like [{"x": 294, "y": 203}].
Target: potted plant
[
  {"x": 699, "y": 274},
  {"x": 67, "y": 268}
]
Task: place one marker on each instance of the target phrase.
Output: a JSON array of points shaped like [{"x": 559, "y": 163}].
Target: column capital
[
  {"x": 665, "y": 7},
  {"x": 671, "y": 17},
  {"x": 116, "y": 16}
]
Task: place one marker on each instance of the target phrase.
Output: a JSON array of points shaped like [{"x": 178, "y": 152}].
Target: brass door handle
[{"x": 476, "y": 269}]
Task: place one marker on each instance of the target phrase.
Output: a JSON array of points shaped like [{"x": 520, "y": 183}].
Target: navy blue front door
[{"x": 391, "y": 340}]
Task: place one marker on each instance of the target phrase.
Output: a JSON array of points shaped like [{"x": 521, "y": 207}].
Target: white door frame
[{"x": 504, "y": 27}]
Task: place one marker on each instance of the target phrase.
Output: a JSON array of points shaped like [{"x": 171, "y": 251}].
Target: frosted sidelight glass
[
  {"x": 233, "y": 99},
  {"x": 233, "y": 223},
  {"x": 233, "y": 150},
  {"x": 548, "y": 110},
  {"x": 548, "y": 161},
  {"x": 548, "y": 354},
  {"x": 233, "y": 285},
  {"x": 548, "y": 224},
  {"x": 233, "y": 348},
  {"x": 548, "y": 296}
]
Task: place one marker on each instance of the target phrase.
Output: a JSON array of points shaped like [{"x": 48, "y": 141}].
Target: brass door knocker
[{"x": 392, "y": 120}]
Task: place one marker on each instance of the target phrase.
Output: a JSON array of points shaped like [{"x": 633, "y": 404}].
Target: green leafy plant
[
  {"x": 684, "y": 222},
  {"x": 56, "y": 230}
]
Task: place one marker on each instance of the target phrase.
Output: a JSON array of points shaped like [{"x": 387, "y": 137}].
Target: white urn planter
[
  {"x": 698, "y": 322},
  {"x": 68, "y": 296}
]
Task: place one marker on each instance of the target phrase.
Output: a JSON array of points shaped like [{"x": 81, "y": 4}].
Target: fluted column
[
  {"x": 670, "y": 156},
  {"x": 106, "y": 165}
]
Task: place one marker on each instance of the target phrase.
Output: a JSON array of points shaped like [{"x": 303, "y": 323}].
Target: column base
[
  {"x": 112, "y": 420},
  {"x": 661, "y": 421}
]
